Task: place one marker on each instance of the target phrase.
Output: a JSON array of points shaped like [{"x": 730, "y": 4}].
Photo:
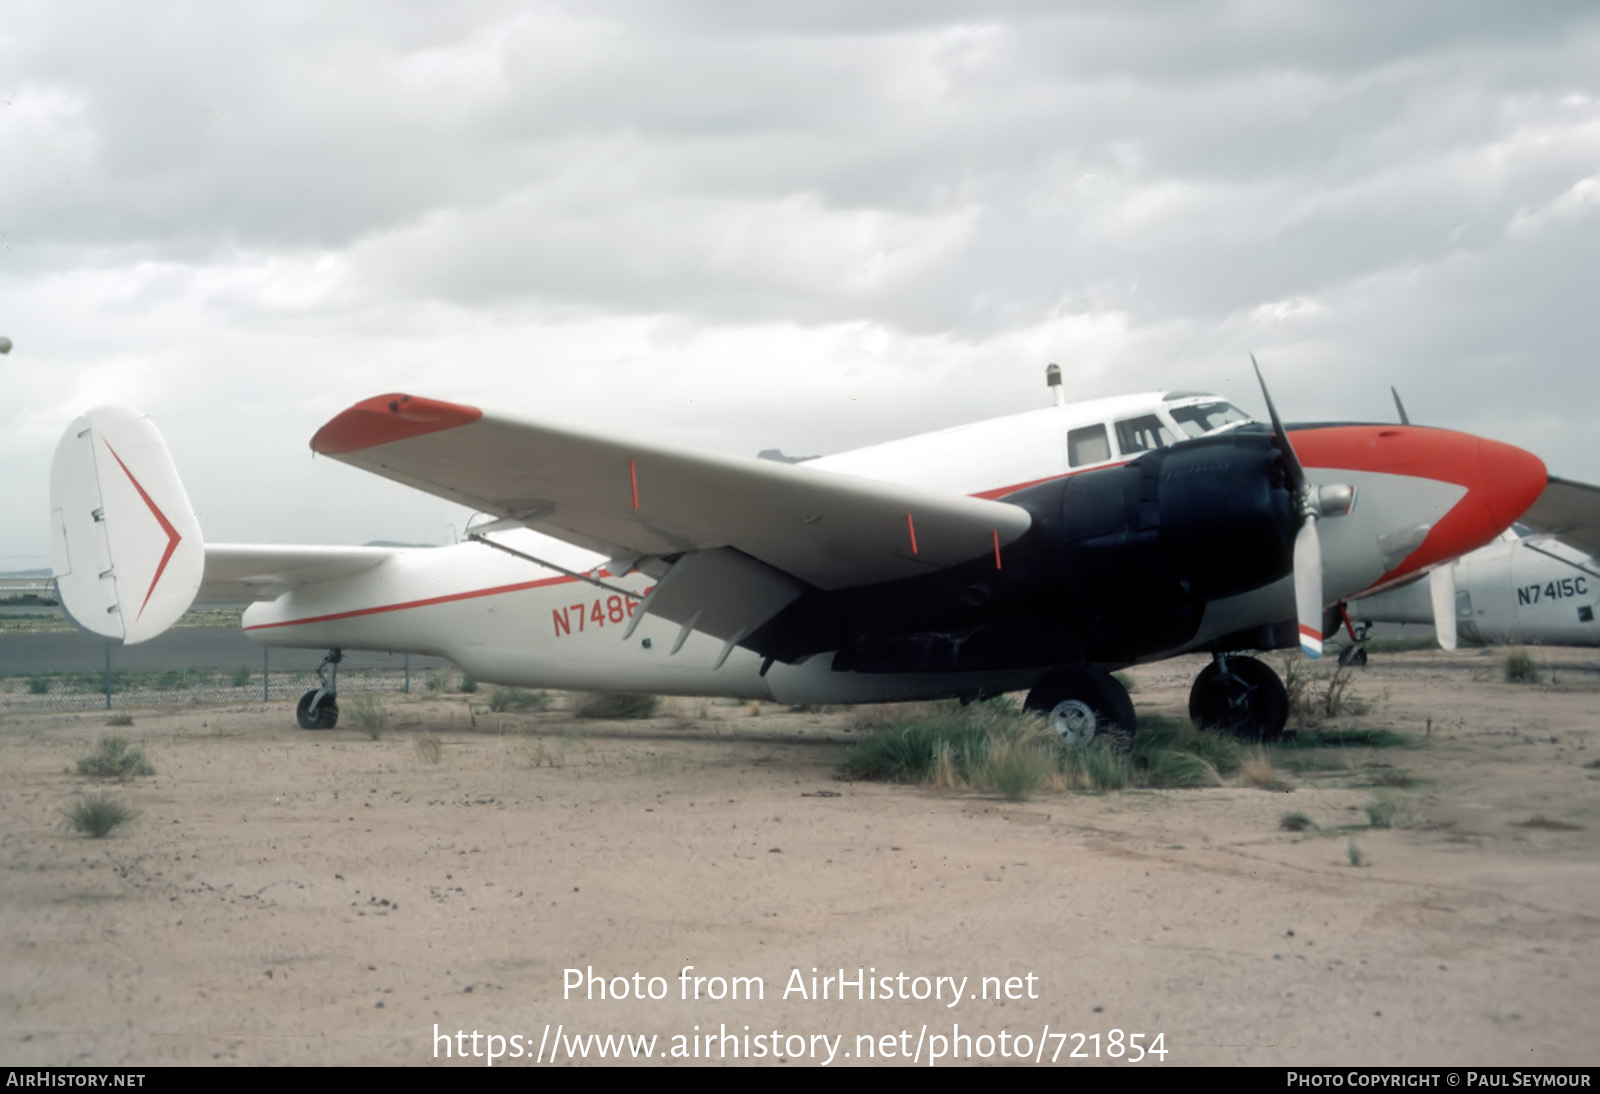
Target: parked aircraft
[
  {"x": 1541, "y": 587},
  {"x": 1038, "y": 551}
]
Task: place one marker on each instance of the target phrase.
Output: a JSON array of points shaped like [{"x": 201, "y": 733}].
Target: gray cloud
[{"x": 810, "y": 226}]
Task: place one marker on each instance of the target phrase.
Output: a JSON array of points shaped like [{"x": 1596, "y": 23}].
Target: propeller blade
[
  {"x": 1442, "y": 591},
  {"x": 1308, "y": 587},
  {"x": 1297, "y": 474},
  {"x": 1401, "y": 407},
  {"x": 1307, "y": 545}
]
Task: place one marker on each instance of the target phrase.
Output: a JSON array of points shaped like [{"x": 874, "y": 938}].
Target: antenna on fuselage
[{"x": 1052, "y": 380}]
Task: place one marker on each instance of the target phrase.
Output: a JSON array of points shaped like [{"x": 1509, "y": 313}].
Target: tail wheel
[
  {"x": 1241, "y": 696},
  {"x": 324, "y": 716},
  {"x": 1081, "y": 702}
]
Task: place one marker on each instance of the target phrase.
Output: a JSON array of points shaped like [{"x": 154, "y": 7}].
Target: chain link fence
[
  {"x": 56, "y": 672},
  {"x": 87, "y": 690}
]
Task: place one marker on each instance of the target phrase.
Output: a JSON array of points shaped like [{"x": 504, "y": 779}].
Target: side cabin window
[
  {"x": 1088, "y": 445},
  {"x": 1142, "y": 434}
]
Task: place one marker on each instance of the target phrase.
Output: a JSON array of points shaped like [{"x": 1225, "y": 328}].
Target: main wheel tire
[
  {"x": 1248, "y": 701},
  {"x": 1080, "y": 702},
  {"x": 325, "y": 717}
]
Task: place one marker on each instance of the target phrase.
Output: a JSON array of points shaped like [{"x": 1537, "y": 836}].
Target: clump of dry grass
[
  {"x": 1389, "y": 811},
  {"x": 1255, "y": 769},
  {"x": 1317, "y": 695},
  {"x": 430, "y": 749},
  {"x": 369, "y": 714},
  {"x": 614, "y": 705},
  {"x": 505, "y": 699}
]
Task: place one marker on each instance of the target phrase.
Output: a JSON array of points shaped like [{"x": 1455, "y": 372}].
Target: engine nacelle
[
  {"x": 1207, "y": 519},
  {"x": 1119, "y": 563}
]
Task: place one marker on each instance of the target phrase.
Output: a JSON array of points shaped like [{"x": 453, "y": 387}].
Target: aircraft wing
[
  {"x": 240, "y": 573},
  {"x": 1568, "y": 511},
  {"x": 737, "y": 538}
]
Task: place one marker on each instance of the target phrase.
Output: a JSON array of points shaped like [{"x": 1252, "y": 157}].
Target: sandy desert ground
[{"x": 286, "y": 897}]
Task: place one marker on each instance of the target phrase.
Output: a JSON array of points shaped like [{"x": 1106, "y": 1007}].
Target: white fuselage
[{"x": 1535, "y": 590}]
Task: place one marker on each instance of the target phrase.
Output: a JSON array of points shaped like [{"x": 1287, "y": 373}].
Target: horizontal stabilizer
[
  {"x": 126, "y": 546},
  {"x": 241, "y": 573}
]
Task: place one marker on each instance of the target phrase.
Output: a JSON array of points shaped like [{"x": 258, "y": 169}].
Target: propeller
[
  {"x": 1442, "y": 591},
  {"x": 1313, "y": 502},
  {"x": 1398, "y": 405},
  {"x": 1441, "y": 579}
]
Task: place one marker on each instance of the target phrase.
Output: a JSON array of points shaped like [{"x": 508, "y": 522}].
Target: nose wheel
[
  {"x": 1240, "y": 696},
  {"x": 319, "y": 707},
  {"x": 1356, "y": 653}
]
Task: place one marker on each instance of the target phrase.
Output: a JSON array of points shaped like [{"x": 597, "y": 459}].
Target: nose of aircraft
[
  {"x": 1510, "y": 479},
  {"x": 1501, "y": 481}
]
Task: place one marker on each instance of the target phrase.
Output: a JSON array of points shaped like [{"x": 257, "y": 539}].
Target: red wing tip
[{"x": 386, "y": 418}]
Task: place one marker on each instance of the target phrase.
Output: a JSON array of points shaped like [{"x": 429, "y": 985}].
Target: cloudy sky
[{"x": 810, "y": 225}]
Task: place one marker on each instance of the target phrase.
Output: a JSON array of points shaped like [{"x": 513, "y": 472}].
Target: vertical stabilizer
[{"x": 126, "y": 547}]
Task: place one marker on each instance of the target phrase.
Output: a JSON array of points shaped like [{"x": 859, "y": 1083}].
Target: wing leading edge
[
  {"x": 633, "y": 501},
  {"x": 1570, "y": 512}
]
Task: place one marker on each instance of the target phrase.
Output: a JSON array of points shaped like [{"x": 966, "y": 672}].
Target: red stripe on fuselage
[{"x": 450, "y": 598}]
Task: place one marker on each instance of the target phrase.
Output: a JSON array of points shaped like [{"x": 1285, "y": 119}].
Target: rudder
[{"x": 127, "y": 551}]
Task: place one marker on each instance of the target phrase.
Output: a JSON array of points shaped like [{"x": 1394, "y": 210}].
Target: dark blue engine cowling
[{"x": 1119, "y": 562}]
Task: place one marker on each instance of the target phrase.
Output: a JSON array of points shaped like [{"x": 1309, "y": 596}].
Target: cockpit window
[
  {"x": 1203, "y": 418},
  {"x": 1142, "y": 434},
  {"x": 1088, "y": 445}
]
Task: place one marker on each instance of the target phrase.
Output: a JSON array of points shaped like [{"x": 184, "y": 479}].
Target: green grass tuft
[
  {"x": 1156, "y": 734},
  {"x": 1296, "y": 822},
  {"x": 1520, "y": 668},
  {"x": 517, "y": 699},
  {"x": 1353, "y": 853},
  {"x": 1167, "y": 767},
  {"x": 114, "y": 758},
  {"x": 97, "y": 814}
]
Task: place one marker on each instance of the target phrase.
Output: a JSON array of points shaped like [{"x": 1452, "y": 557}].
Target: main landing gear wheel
[
  {"x": 1080, "y": 702},
  {"x": 319, "y": 707},
  {"x": 1241, "y": 696},
  {"x": 324, "y": 715}
]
